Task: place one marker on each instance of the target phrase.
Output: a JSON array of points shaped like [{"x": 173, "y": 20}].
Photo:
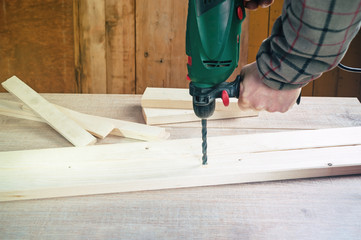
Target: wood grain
[
  {"x": 56, "y": 119},
  {"x": 313, "y": 113},
  {"x": 92, "y": 45},
  {"x": 100, "y": 127},
  {"x": 156, "y": 116},
  {"x": 258, "y": 31},
  {"x": 317, "y": 208},
  {"x": 177, "y": 163},
  {"x": 160, "y": 50},
  {"x": 178, "y": 98},
  {"x": 37, "y": 45},
  {"x": 120, "y": 48}
]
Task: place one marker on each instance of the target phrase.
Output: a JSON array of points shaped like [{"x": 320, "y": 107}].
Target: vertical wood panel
[
  {"x": 338, "y": 82},
  {"x": 160, "y": 44},
  {"x": 120, "y": 48},
  {"x": 37, "y": 45},
  {"x": 349, "y": 84},
  {"x": 258, "y": 31},
  {"x": 326, "y": 85},
  {"x": 92, "y": 46},
  {"x": 275, "y": 10}
]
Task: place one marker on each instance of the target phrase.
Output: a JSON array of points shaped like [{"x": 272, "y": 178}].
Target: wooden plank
[
  {"x": 99, "y": 129},
  {"x": 57, "y": 120},
  {"x": 120, "y": 48},
  {"x": 178, "y": 98},
  {"x": 16, "y": 109},
  {"x": 177, "y": 163},
  {"x": 160, "y": 49},
  {"x": 36, "y": 39},
  {"x": 92, "y": 46},
  {"x": 153, "y": 116},
  {"x": 98, "y": 126}
]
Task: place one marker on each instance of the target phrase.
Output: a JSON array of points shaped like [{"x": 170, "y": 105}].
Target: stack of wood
[
  {"x": 78, "y": 128},
  {"x": 174, "y": 105}
]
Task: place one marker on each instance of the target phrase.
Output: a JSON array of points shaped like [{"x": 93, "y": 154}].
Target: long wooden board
[
  {"x": 98, "y": 126},
  {"x": 56, "y": 119},
  {"x": 173, "y": 164}
]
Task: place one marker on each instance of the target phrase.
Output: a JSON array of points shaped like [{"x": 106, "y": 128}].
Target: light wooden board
[
  {"x": 178, "y": 98},
  {"x": 98, "y": 126},
  {"x": 56, "y": 119},
  {"x": 153, "y": 116},
  {"x": 175, "y": 164},
  {"x": 99, "y": 129}
]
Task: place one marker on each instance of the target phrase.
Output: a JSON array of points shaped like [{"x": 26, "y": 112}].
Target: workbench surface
[{"x": 318, "y": 208}]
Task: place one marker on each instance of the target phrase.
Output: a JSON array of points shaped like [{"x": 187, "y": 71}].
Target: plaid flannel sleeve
[{"x": 311, "y": 37}]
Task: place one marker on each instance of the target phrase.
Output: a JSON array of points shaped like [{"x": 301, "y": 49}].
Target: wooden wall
[{"x": 112, "y": 46}]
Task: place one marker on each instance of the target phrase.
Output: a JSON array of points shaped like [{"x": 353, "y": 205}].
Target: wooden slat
[
  {"x": 92, "y": 46},
  {"x": 99, "y": 129},
  {"x": 98, "y": 126},
  {"x": 57, "y": 120},
  {"x": 174, "y": 164},
  {"x": 120, "y": 48}
]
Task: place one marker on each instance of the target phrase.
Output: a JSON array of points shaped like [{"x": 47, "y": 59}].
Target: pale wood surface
[
  {"x": 174, "y": 105},
  {"x": 325, "y": 208},
  {"x": 156, "y": 116},
  {"x": 114, "y": 168},
  {"x": 65, "y": 126},
  {"x": 100, "y": 127}
]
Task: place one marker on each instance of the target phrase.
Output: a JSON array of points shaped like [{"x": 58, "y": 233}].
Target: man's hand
[
  {"x": 256, "y": 95},
  {"x": 254, "y": 4}
]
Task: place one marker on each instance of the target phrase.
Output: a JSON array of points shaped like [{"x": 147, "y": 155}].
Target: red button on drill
[
  {"x": 240, "y": 13},
  {"x": 189, "y": 60},
  {"x": 225, "y": 98}
]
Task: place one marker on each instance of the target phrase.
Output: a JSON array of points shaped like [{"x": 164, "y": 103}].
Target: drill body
[{"x": 212, "y": 45}]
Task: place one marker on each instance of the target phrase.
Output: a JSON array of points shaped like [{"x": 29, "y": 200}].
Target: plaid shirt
[{"x": 310, "y": 37}]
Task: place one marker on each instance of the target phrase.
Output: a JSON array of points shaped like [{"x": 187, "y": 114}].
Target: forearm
[{"x": 310, "y": 37}]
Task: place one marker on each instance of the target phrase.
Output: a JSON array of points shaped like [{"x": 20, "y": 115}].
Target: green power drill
[{"x": 212, "y": 46}]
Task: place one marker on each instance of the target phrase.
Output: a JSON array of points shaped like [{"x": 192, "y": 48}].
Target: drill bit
[{"x": 204, "y": 141}]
